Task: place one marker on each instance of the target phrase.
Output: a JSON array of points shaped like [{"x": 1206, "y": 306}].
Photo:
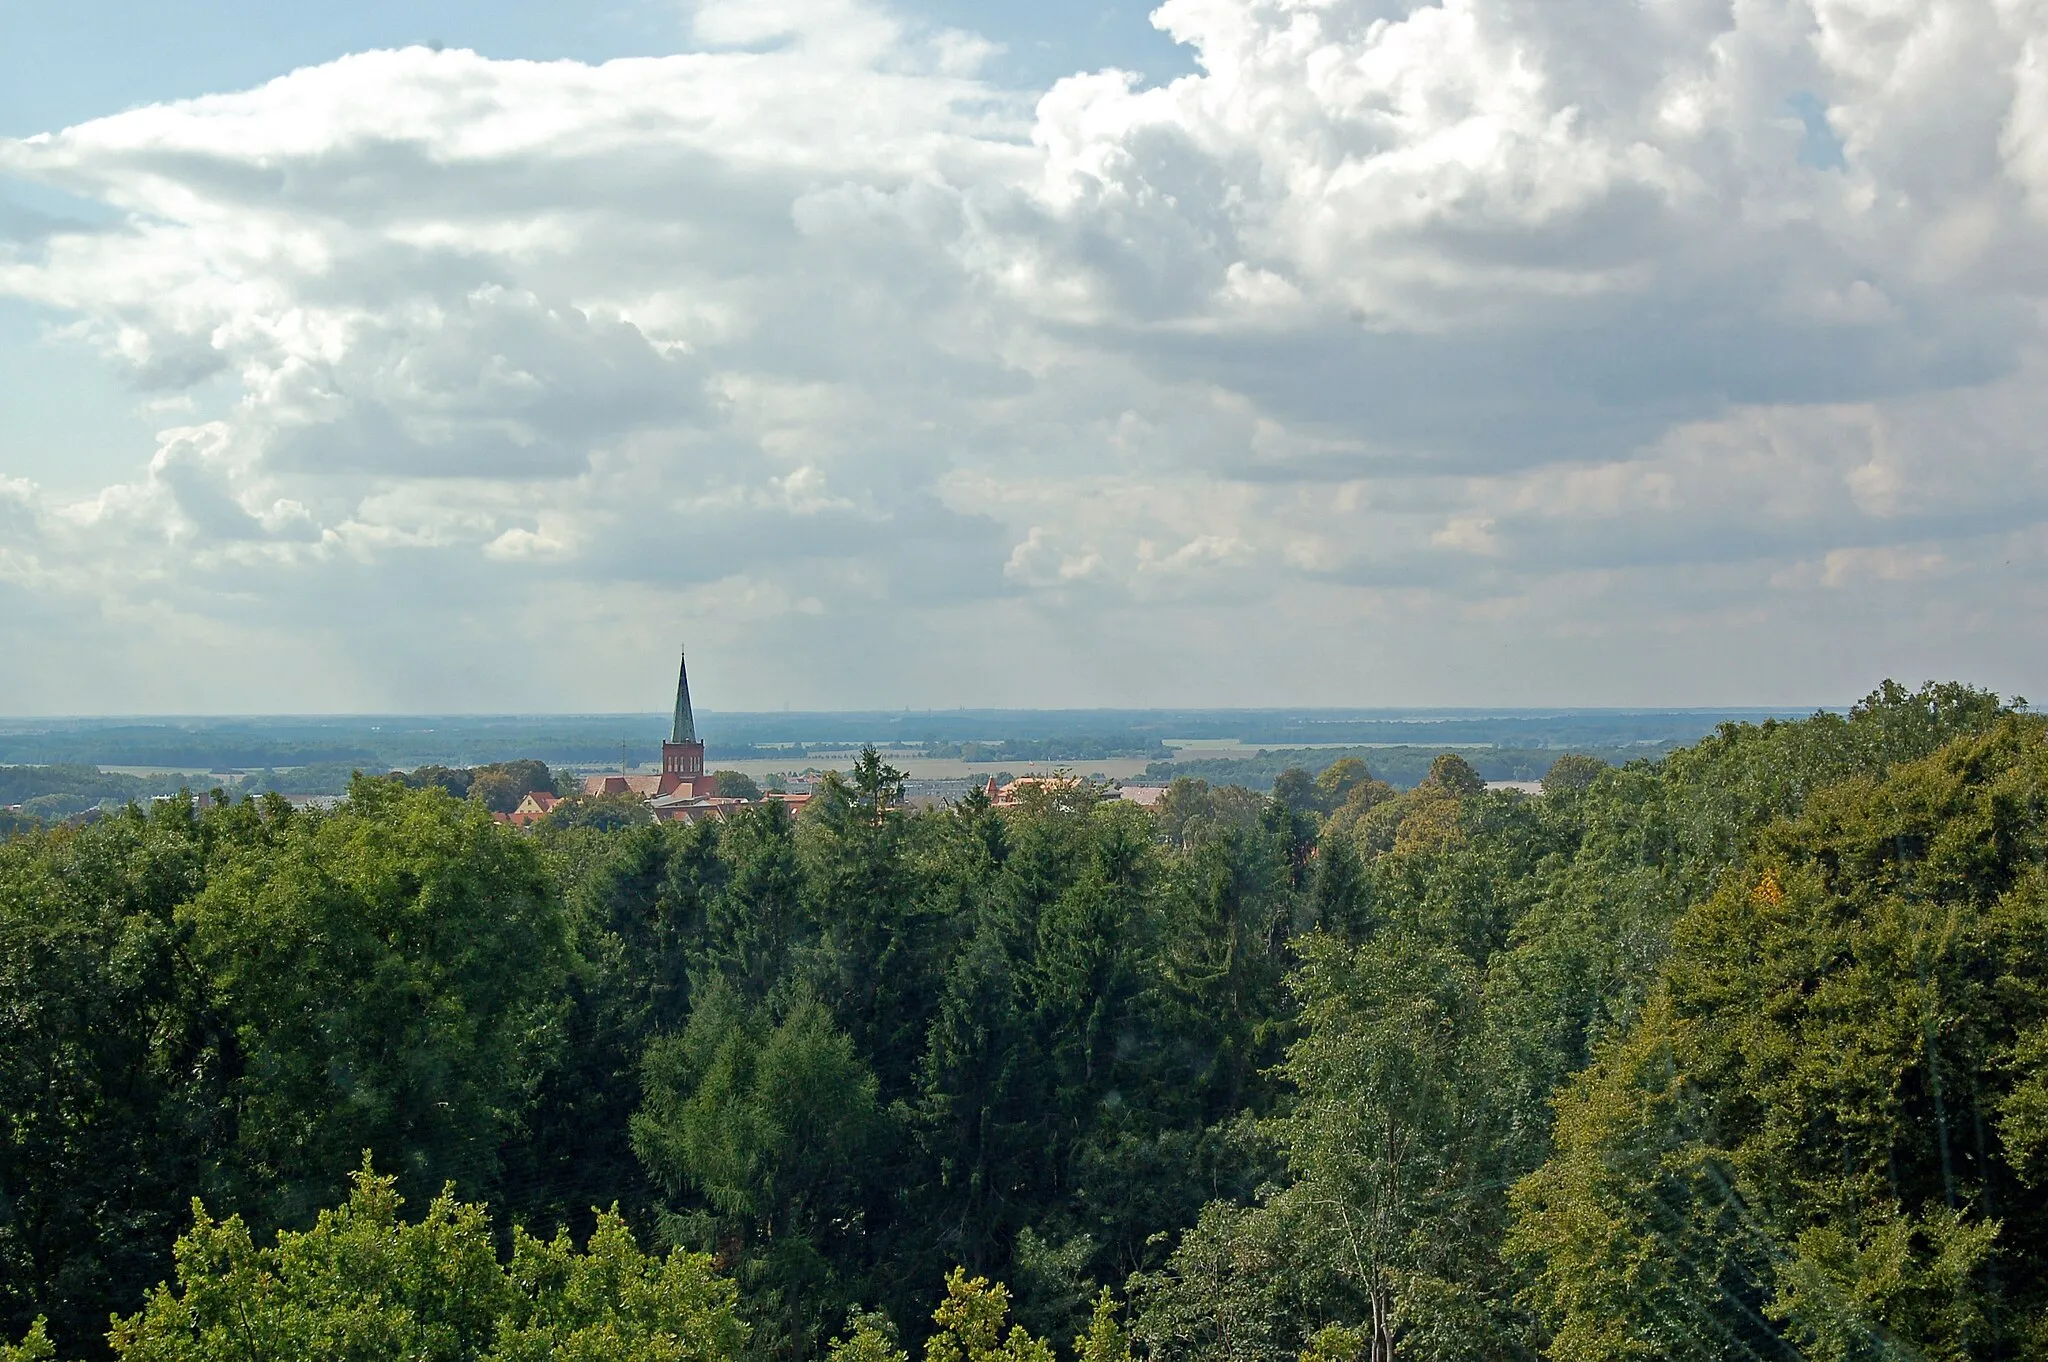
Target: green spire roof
[{"x": 686, "y": 723}]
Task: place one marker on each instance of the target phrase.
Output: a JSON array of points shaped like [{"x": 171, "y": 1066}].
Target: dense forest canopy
[{"x": 1738, "y": 1053}]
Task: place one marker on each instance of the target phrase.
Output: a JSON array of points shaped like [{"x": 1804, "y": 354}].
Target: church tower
[{"x": 682, "y": 756}]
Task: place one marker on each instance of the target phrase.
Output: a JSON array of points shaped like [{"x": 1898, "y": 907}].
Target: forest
[{"x": 1737, "y": 1053}]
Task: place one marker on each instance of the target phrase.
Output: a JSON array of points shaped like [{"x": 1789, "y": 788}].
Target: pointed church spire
[{"x": 686, "y": 723}]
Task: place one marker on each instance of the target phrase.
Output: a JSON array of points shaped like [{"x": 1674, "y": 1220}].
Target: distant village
[{"x": 682, "y": 791}]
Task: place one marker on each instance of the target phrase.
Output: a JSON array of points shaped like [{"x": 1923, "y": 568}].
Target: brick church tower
[{"x": 682, "y": 756}]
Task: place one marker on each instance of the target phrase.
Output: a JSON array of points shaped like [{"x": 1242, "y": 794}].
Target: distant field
[
  {"x": 1220, "y": 763},
  {"x": 1185, "y": 752},
  {"x": 938, "y": 768},
  {"x": 315, "y": 754}
]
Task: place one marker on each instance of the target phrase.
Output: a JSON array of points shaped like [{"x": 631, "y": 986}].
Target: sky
[{"x": 470, "y": 357}]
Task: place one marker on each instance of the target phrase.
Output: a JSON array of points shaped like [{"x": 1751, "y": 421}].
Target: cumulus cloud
[{"x": 1523, "y": 324}]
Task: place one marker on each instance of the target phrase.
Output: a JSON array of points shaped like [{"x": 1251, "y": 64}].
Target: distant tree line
[
  {"x": 57, "y": 792},
  {"x": 176, "y": 748},
  {"x": 1739, "y": 1053},
  {"x": 1401, "y": 767},
  {"x": 1079, "y": 747}
]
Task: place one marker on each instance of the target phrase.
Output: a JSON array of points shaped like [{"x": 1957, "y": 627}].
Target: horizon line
[{"x": 1315, "y": 710}]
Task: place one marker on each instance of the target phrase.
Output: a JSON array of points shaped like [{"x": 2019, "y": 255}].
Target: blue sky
[{"x": 1348, "y": 352}]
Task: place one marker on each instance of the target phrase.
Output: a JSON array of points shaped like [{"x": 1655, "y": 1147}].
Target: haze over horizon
[{"x": 460, "y": 359}]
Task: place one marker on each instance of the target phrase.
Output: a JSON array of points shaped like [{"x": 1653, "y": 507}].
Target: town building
[
  {"x": 682, "y": 774},
  {"x": 536, "y": 805},
  {"x": 1015, "y": 792},
  {"x": 682, "y": 791}
]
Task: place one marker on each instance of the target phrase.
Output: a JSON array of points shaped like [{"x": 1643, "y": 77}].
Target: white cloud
[
  {"x": 1845, "y": 566},
  {"x": 1540, "y": 322},
  {"x": 1037, "y": 560},
  {"x": 521, "y": 544},
  {"x": 1469, "y": 534}
]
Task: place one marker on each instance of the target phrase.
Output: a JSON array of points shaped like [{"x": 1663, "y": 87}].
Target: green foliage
[
  {"x": 391, "y": 972},
  {"x": 1106, "y": 1340},
  {"x": 1817, "y": 1134},
  {"x": 877, "y": 786},
  {"x": 1334, "y": 1343},
  {"x": 233, "y": 1003},
  {"x": 754, "y": 927},
  {"x": 1756, "y": 1030},
  {"x": 772, "y": 1121},
  {"x": 970, "y": 1326},
  {"x": 1402, "y": 767},
  {"x": 496, "y": 791},
  {"x": 603, "y": 813},
  {"x": 104, "y": 1057},
  {"x": 1382, "y": 1231},
  {"x": 35, "y": 1345},
  {"x": 1484, "y": 948},
  {"x": 869, "y": 1337},
  {"x": 55, "y": 792},
  {"x": 1452, "y": 774},
  {"x": 612, "y": 1301},
  {"x": 1296, "y": 790},
  {"x": 498, "y": 786},
  {"x": 1191, "y": 811},
  {"x": 363, "y": 1283},
  {"x": 454, "y": 780},
  {"x": 1052, "y": 1284},
  {"x": 1234, "y": 1290},
  {"x": 736, "y": 785},
  {"x": 1572, "y": 773},
  {"x": 1389, "y": 1135},
  {"x": 1335, "y": 786},
  {"x": 316, "y": 778}
]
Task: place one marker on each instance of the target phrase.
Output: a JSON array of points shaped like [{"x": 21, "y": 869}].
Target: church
[
  {"x": 683, "y": 792},
  {"x": 684, "y": 789}
]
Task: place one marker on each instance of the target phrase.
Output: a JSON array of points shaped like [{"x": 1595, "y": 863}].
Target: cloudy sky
[{"x": 469, "y": 356}]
